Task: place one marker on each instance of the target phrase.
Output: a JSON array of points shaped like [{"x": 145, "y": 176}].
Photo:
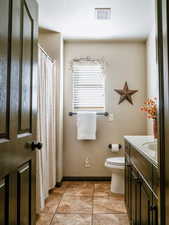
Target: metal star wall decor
[{"x": 126, "y": 93}]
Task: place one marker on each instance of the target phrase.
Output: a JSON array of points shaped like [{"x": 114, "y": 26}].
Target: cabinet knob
[
  {"x": 153, "y": 208},
  {"x": 139, "y": 181}
]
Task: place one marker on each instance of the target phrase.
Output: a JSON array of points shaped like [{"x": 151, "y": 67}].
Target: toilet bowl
[{"x": 116, "y": 164}]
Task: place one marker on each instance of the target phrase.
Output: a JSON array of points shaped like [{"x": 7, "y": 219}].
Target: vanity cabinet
[{"x": 140, "y": 198}]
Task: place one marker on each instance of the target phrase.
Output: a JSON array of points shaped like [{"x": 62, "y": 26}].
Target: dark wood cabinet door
[
  {"x": 154, "y": 211},
  {"x": 18, "y": 103},
  {"x": 126, "y": 183},
  {"x": 140, "y": 196},
  {"x": 128, "y": 190},
  {"x": 135, "y": 197},
  {"x": 145, "y": 204}
]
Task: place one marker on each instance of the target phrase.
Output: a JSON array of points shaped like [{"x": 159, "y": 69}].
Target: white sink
[
  {"x": 146, "y": 145},
  {"x": 150, "y": 148}
]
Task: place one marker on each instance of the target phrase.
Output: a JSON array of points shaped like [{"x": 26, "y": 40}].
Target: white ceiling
[{"x": 131, "y": 19}]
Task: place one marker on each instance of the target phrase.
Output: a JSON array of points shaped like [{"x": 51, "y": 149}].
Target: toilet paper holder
[{"x": 110, "y": 146}]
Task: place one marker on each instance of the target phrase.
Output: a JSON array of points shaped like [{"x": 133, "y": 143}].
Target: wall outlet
[
  {"x": 87, "y": 163},
  {"x": 111, "y": 117}
]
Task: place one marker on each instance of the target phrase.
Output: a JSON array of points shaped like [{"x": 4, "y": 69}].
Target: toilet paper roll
[{"x": 114, "y": 147}]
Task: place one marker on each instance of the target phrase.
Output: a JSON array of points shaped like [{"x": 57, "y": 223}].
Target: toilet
[{"x": 116, "y": 164}]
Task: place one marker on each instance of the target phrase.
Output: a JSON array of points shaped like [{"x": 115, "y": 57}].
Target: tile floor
[{"x": 84, "y": 203}]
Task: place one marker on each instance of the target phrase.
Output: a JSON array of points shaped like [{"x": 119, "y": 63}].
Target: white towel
[{"x": 86, "y": 126}]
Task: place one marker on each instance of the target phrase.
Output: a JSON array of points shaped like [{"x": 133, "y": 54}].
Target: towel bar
[{"x": 99, "y": 113}]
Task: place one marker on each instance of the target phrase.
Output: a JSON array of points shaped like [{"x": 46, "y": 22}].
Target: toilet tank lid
[{"x": 116, "y": 161}]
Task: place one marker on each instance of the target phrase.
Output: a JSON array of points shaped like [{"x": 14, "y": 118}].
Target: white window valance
[{"x": 89, "y": 61}]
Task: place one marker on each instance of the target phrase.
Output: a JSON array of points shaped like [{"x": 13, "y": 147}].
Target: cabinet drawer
[{"x": 143, "y": 166}]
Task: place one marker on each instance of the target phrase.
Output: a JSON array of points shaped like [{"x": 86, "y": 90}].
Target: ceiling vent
[{"x": 103, "y": 13}]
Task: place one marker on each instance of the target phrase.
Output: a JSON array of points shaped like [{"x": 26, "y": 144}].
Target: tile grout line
[
  {"x": 57, "y": 207},
  {"x": 55, "y": 212}
]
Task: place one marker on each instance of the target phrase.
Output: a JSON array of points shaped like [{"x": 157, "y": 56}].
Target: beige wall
[
  {"x": 126, "y": 61},
  {"x": 52, "y": 43}
]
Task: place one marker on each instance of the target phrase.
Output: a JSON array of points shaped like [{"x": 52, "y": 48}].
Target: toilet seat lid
[{"x": 118, "y": 161}]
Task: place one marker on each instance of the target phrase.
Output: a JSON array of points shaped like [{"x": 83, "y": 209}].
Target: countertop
[{"x": 139, "y": 143}]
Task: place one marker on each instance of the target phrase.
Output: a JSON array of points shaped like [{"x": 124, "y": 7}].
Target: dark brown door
[{"x": 18, "y": 103}]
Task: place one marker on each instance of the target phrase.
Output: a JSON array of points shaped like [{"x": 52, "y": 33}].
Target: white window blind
[{"x": 88, "y": 87}]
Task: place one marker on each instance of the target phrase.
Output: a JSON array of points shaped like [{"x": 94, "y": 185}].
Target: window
[{"x": 88, "y": 87}]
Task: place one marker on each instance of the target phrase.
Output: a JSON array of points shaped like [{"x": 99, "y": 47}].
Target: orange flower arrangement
[{"x": 150, "y": 108}]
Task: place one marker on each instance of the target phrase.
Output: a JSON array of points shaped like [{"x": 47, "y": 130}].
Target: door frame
[{"x": 163, "y": 65}]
